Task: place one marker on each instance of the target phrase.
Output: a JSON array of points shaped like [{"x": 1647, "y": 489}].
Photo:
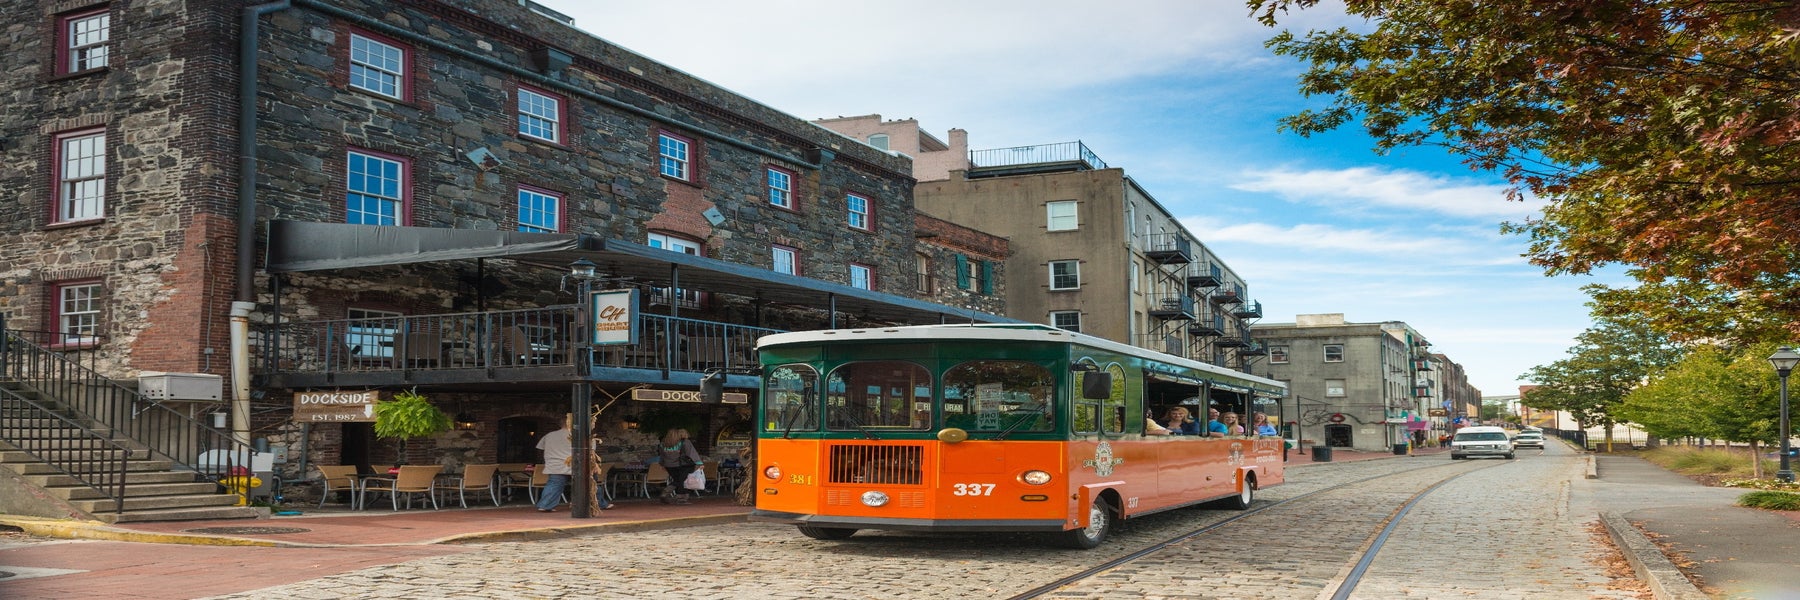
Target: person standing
[
  {"x": 679, "y": 458},
  {"x": 559, "y": 450}
]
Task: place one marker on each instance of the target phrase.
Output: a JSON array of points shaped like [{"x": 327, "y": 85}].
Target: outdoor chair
[
  {"x": 476, "y": 478},
  {"x": 424, "y": 349},
  {"x": 412, "y": 480},
  {"x": 714, "y": 481},
  {"x": 337, "y": 478},
  {"x": 656, "y": 476},
  {"x": 540, "y": 477}
]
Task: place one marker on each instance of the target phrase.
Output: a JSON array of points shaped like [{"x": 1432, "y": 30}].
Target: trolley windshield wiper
[
  {"x": 859, "y": 426},
  {"x": 787, "y": 428},
  {"x": 1036, "y": 410}
]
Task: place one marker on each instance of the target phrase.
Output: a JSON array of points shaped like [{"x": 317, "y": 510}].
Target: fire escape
[
  {"x": 1172, "y": 304},
  {"x": 1197, "y": 312}
]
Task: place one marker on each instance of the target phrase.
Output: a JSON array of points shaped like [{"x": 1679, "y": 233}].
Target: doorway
[
  {"x": 355, "y": 447},
  {"x": 1338, "y": 435},
  {"x": 516, "y": 439}
]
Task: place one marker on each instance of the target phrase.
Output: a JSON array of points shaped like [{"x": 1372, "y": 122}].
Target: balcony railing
[
  {"x": 1036, "y": 155},
  {"x": 544, "y": 337}
]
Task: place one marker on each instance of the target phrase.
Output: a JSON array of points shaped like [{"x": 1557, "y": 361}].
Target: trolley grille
[{"x": 876, "y": 464}]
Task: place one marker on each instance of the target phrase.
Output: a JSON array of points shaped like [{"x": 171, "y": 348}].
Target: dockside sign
[
  {"x": 335, "y": 407},
  {"x": 685, "y": 396}
]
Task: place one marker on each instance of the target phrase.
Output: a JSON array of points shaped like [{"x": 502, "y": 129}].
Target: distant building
[{"x": 1365, "y": 386}]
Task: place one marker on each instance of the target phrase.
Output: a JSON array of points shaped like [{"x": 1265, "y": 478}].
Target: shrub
[
  {"x": 1770, "y": 500},
  {"x": 1690, "y": 460}
]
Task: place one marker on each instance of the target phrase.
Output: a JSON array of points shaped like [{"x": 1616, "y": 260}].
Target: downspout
[{"x": 246, "y": 229}]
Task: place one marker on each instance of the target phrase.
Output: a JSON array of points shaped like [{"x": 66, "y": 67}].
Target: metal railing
[
  {"x": 1035, "y": 155},
  {"x": 525, "y": 338},
  {"x": 90, "y": 457},
  {"x": 62, "y": 368}
]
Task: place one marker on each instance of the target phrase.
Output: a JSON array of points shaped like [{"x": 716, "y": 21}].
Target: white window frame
[
  {"x": 87, "y": 37},
  {"x": 781, "y": 187},
  {"x": 540, "y": 115},
  {"x": 78, "y": 313},
  {"x": 1278, "y": 355},
  {"x": 1072, "y": 271},
  {"x": 858, "y": 210},
  {"x": 1057, "y": 316},
  {"x": 921, "y": 273},
  {"x": 879, "y": 140},
  {"x": 81, "y": 176},
  {"x": 366, "y": 341},
  {"x": 1061, "y": 216},
  {"x": 674, "y": 156},
  {"x": 379, "y": 193},
  {"x": 537, "y": 202},
  {"x": 785, "y": 260},
  {"x": 1326, "y": 351},
  {"x": 376, "y": 65},
  {"x": 688, "y": 298},
  {"x": 862, "y": 276}
]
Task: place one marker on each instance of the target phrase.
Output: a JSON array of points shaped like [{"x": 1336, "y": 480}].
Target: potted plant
[{"x": 408, "y": 415}]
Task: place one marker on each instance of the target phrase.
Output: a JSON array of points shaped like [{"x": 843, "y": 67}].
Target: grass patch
[
  {"x": 1770, "y": 500},
  {"x": 1690, "y": 460}
]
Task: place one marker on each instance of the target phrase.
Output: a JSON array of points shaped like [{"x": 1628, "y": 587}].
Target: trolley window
[
  {"x": 994, "y": 395},
  {"x": 884, "y": 394},
  {"x": 789, "y": 403},
  {"x": 1091, "y": 413}
]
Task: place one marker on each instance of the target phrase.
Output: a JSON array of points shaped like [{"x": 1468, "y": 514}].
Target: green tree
[
  {"x": 1607, "y": 362},
  {"x": 1660, "y": 132},
  {"x": 1713, "y": 394}
]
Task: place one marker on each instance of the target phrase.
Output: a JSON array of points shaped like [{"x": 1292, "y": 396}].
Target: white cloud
[{"x": 1353, "y": 188}]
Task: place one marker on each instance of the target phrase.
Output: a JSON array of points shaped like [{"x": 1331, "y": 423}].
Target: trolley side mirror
[
  {"x": 712, "y": 387},
  {"x": 1096, "y": 385}
]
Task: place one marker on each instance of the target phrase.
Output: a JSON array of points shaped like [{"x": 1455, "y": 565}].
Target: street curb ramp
[{"x": 1647, "y": 560}]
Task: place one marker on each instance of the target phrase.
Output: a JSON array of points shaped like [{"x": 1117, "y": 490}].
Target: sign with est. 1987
[{"x": 335, "y": 406}]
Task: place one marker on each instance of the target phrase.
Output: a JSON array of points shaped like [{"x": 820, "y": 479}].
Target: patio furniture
[
  {"x": 658, "y": 476},
  {"x": 475, "y": 478},
  {"x": 412, "y": 480},
  {"x": 539, "y": 478},
  {"x": 337, "y": 478}
]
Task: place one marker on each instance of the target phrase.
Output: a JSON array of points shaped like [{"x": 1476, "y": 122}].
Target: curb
[
  {"x": 1593, "y": 467},
  {"x": 1666, "y": 582},
  {"x": 544, "y": 533},
  {"x": 96, "y": 530}
]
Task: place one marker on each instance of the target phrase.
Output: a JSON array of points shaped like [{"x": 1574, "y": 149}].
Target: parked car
[
  {"x": 1480, "y": 441},
  {"x": 1531, "y": 439}
]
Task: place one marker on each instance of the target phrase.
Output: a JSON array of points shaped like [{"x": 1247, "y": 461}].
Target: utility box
[{"x": 190, "y": 387}]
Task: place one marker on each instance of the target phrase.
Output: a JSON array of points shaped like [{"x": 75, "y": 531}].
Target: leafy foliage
[
  {"x": 1661, "y": 132},
  {"x": 1770, "y": 500},
  {"x": 1607, "y": 363},
  {"x": 409, "y": 415}
]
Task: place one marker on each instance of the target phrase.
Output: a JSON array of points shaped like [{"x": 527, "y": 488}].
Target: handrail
[
  {"x": 100, "y": 469},
  {"x": 80, "y": 388}
]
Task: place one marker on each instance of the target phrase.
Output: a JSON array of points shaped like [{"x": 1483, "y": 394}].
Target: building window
[
  {"x": 781, "y": 187},
  {"x": 84, "y": 40},
  {"x": 77, "y": 315},
  {"x": 1334, "y": 353},
  {"x": 540, "y": 115},
  {"x": 857, "y": 208},
  {"x": 1066, "y": 319},
  {"x": 786, "y": 260},
  {"x": 674, "y": 153},
  {"x": 80, "y": 176},
  {"x": 1278, "y": 354},
  {"x": 921, "y": 273},
  {"x": 377, "y": 67},
  {"x": 974, "y": 275},
  {"x": 370, "y": 333},
  {"x": 1133, "y": 278},
  {"x": 862, "y": 276},
  {"x": 1061, "y": 215},
  {"x": 1334, "y": 388},
  {"x": 1065, "y": 274},
  {"x": 879, "y": 140},
  {"x": 687, "y": 298},
  {"x": 539, "y": 211},
  {"x": 376, "y": 189}
]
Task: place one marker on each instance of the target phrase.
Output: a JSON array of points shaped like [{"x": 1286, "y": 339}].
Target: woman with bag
[{"x": 679, "y": 458}]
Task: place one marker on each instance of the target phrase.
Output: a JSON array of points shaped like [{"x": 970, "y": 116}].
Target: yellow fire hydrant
[{"x": 241, "y": 485}]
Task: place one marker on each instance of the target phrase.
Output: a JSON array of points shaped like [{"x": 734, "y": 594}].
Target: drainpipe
[
  {"x": 240, "y": 370},
  {"x": 246, "y": 213}
]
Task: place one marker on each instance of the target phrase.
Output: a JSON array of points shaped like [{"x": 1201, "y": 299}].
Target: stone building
[
  {"x": 1365, "y": 386},
  {"x": 399, "y": 194}
]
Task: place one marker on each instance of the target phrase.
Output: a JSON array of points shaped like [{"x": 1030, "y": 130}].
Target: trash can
[
  {"x": 1400, "y": 449},
  {"x": 1321, "y": 453}
]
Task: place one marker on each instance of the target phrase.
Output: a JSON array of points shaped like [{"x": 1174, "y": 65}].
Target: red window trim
[
  {"x": 874, "y": 282},
  {"x": 869, "y": 214},
  {"x": 562, "y": 206},
  {"x": 56, "y": 177},
  {"x": 406, "y": 184},
  {"x": 56, "y": 288},
  {"x": 562, "y": 117},
  {"x": 407, "y": 62},
  {"x": 62, "y": 67},
  {"x": 793, "y": 188},
  {"x": 799, "y": 259}
]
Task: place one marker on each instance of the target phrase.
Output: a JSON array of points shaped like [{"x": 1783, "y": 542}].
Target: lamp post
[
  {"x": 1784, "y": 360},
  {"x": 582, "y": 397}
]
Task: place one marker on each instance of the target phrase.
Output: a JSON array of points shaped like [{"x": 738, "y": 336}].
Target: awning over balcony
[{"x": 299, "y": 246}]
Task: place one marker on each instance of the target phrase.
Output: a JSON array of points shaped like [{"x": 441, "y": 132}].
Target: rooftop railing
[{"x": 1035, "y": 155}]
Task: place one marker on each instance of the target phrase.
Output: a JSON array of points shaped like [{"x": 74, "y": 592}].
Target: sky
[{"x": 1184, "y": 97}]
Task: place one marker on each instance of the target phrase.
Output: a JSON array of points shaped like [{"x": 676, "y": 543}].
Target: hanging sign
[
  {"x": 335, "y": 406},
  {"x": 685, "y": 396},
  {"x": 614, "y": 317}
]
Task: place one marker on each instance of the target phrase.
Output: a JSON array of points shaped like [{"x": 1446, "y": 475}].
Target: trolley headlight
[
  {"x": 874, "y": 498},
  {"x": 772, "y": 472},
  {"x": 1035, "y": 477}
]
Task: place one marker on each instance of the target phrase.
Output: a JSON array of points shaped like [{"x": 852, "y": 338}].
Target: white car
[
  {"x": 1533, "y": 439},
  {"x": 1480, "y": 441}
]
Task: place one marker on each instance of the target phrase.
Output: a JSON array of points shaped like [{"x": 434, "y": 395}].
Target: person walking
[
  {"x": 679, "y": 458},
  {"x": 558, "y": 450}
]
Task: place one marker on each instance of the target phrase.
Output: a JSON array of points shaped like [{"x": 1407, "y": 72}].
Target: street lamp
[
  {"x": 582, "y": 401},
  {"x": 1784, "y": 360}
]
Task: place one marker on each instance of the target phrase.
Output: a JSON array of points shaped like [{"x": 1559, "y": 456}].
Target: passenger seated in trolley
[
  {"x": 1262, "y": 426},
  {"x": 1179, "y": 423},
  {"x": 1213, "y": 427}
]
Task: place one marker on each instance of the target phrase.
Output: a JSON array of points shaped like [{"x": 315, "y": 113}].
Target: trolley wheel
[
  {"x": 826, "y": 533},
  {"x": 1100, "y": 517},
  {"x": 1246, "y": 495}
]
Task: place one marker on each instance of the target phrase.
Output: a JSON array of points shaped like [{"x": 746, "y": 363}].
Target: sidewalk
[{"x": 336, "y": 526}]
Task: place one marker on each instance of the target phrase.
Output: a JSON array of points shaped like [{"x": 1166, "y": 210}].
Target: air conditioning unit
[{"x": 191, "y": 387}]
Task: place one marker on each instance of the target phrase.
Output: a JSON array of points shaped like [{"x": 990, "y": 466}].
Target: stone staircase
[{"x": 154, "y": 489}]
